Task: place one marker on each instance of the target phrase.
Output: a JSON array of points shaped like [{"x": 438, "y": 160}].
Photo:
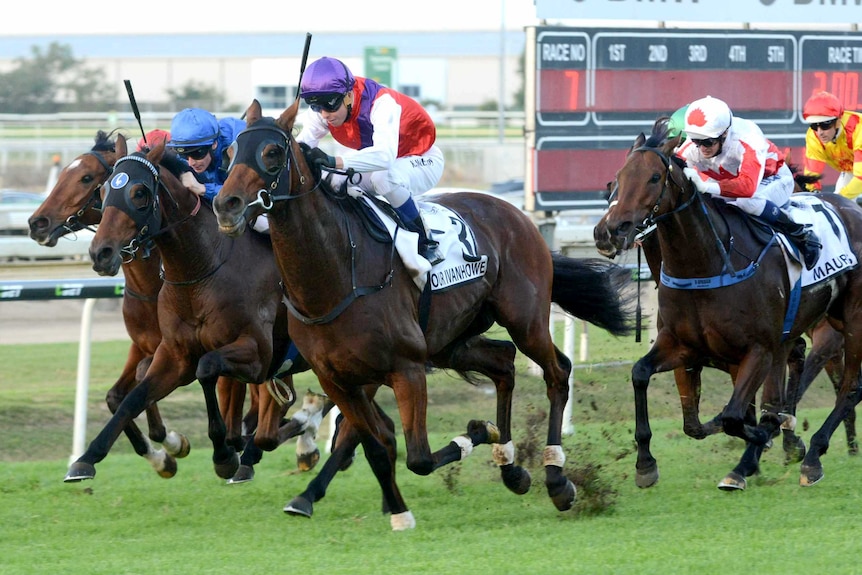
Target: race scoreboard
[{"x": 593, "y": 90}]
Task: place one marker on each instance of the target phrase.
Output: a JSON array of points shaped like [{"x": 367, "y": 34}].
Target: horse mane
[
  {"x": 104, "y": 142},
  {"x": 659, "y": 135}
]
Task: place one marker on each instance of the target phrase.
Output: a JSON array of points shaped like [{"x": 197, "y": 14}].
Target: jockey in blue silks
[{"x": 199, "y": 138}]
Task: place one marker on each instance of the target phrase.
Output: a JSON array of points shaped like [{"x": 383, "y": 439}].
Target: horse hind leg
[{"x": 495, "y": 360}]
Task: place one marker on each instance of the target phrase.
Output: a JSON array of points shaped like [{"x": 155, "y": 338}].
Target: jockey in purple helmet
[
  {"x": 390, "y": 135},
  {"x": 199, "y": 138}
]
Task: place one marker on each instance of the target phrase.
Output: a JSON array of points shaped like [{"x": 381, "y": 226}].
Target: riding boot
[
  {"x": 802, "y": 236},
  {"x": 428, "y": 247}
]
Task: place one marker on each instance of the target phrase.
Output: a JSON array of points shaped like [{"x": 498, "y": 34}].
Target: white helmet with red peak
[
  {"x": 707, "y": 118},
  {"x": 822, "y": 107}
]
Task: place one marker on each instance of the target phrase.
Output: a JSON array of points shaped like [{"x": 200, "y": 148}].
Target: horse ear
[
  {"x": 253, "y": 113},
  {"x": 155, "y": 154},
  {"x": 672, "y": 144},
  {"x": 122, "y": 148},
  {"x": 639, "y": 141},
  {"x": 288, "y": 117}
]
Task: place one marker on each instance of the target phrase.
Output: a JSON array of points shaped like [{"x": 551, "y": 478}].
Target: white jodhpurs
[{"x": 776, "y": 189}]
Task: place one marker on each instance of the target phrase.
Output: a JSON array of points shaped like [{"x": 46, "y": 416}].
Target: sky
[{"x": 60, "y": 17}]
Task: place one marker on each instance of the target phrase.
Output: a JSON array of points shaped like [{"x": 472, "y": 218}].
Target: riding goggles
[
  {"x": 326, "y": 102},
  {"x": 198, "y": 153},
  {"x": 706, "y": 142},
  {"x": 827, "y": 125}
]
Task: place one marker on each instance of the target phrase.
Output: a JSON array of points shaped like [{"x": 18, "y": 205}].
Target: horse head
[
  {"x": 649, "y": 184},
  {"x": 132, "y": 209},
  {"x": 75, "y": 201},
  {"x": 265, "y": 165}
]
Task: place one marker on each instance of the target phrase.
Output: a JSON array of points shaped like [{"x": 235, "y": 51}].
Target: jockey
[
  {"x": 390, "y": 136},
  {"x": 834, "y": 138},
  {"x": 731, "y": 158},
  {"x": 676, "y": 124},
  {"x": 202, "y": 140},
  {"x": 153, "y": 138}
]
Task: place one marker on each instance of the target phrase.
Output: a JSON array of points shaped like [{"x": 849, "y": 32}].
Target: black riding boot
[
  {"x": 801, "y": 235},
  {"x": 428, "y": 248}
]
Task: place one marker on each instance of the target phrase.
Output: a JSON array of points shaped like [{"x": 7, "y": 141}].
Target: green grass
[{"x": 130, "y": 521}]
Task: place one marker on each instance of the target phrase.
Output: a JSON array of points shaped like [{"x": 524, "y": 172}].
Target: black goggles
[
  {"x": 327, "y": 103},
  {"x": 827, "y": 125},
  {"x": 706, "y": 142},
  {"x": 198, "y": 153}
]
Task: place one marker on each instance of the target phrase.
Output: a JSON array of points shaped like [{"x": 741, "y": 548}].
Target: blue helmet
[
  {"x": 326, "y": 76},
  {"x": 193, "y": 128}
]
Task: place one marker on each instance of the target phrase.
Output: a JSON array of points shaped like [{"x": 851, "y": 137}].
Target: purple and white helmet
[{"x": 326, "y": 76}]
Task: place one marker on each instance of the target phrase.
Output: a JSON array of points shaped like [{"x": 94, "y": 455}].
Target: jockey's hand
[
  {"x": 701, "y": 185},
  {"x": 321, "y": 158},
  {"x": 189, "y": 181}
]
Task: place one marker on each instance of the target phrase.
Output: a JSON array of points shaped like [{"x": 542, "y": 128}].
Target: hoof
[
  {"x": 307, "y": 461},
  {"x": 646, "y": 478},
  {"x": 402, "y": 521},
  {"x": 244, "y": 474},
  {"x": 852, "y": 448},
  {"x": 516, "y": 478},
  {"x": 810, "y": 474},
  {"x": 299, "y": 506},
  {"x": 169, "y": 467},
  {"x": 79, "y": 471},
  {"x": 732, "y": 482},
  {"x": 177, "y": 445},
  {"x": 794, "y": 452},
  {"x": 483, "y": 432},
  {"x": 563, "y": 496},
  {"x": 227, "y": 469}
]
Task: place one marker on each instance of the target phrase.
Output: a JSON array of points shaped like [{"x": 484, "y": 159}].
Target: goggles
[
  {"x": 198, "y": 153},
  {"x": 326, "y": 102},
  {"x": 705, "y": 143},
  {"x": 827, "y": 125}
]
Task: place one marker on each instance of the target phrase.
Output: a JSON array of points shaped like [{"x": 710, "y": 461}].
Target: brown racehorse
[
  {"x": 737, "y": 324},
  {"x": 356, "y": 311},
  {"x": 118, "y": 226},
  {"x": 75, "y": 204}
]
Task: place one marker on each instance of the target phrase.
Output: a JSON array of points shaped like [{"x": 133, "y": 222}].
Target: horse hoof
[
  {"x": 244, "y": 474},
  {"x": 516, "y": 478},
  {"x": 810, "y": 474},
  {"x": 227, "y": 469},
  {"x": 169, "y": 467},
  {"x": 177, "y": 445},
  {"x": 564, "y": 497},
  {"x": 307, "y": 461},
  {"x": 79, "y": 471},
  {"x": 794, "y": 453},
  {"x": 647, "y": 478},
  {"x": 483, "y": 432},
  {"x": 299, "y": 506},
  {"x": 402, "y": 521},
  {"x": 732, "y": 482}
]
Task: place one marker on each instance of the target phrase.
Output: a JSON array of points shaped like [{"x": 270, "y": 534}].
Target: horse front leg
[
  {"x": 411, "y": 395},
  {"x": 163, "y": 375},
  {"x": 849, "y": 396},
  {"x": 688, "y": 385}
]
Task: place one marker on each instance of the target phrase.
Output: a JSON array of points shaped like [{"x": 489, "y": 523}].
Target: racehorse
[
  {"x": 357, "y": 315},
  {"x": 116, "y": 240},
  {"x": 75, "y": 204},
  {"x": 740, "y": 323}
]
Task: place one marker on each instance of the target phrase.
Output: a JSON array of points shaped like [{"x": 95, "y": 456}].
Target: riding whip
[{"x": 134, "y": 104}]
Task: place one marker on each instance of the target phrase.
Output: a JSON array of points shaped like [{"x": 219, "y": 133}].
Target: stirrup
[{"x": 429, "y": 249}]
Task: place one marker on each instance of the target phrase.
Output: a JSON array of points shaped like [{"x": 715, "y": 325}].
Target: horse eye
[
  {"x": 87, "y": 179},
  {"x": 140, "y": 197},
  {"x": 656, "y": 178}
]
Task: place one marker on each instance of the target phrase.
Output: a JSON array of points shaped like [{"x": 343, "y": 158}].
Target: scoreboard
[{"x": 593, "y": 90}]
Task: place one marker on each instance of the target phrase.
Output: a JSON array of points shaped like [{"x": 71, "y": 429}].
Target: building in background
[{"x": 458, "y": 70}]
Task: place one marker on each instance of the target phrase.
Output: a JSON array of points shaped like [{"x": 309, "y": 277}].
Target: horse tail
[{"x": 596, "y": 291}]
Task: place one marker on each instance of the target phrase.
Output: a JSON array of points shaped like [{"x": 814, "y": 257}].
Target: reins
[{"x": 276, "y": 190}]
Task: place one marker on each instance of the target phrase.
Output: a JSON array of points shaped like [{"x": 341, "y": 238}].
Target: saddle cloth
[
  {"x": 458, "y": 244},
  {"x": 836, "y": 256}
]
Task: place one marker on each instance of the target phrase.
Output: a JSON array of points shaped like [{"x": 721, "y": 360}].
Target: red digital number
[
  {"x": 844, "y": 85},
  {"x": 574, "y": 83}
]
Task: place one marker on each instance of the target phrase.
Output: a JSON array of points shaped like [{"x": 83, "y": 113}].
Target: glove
[
  {"x": 321, "y": 159},
  {"x": 710, "y": 187},
  {"x": 188, "y": 180}
]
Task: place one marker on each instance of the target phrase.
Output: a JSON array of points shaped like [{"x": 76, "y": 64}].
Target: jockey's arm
[{"x": 381, "y": 154}]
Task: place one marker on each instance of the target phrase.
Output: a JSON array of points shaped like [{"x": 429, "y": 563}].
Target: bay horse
[
  {"x": 108, "y": 257},
  {"x": 356, "y": 313},
  {"x": 738, "y": 324},
  {"x": 74, "y": 204}
]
